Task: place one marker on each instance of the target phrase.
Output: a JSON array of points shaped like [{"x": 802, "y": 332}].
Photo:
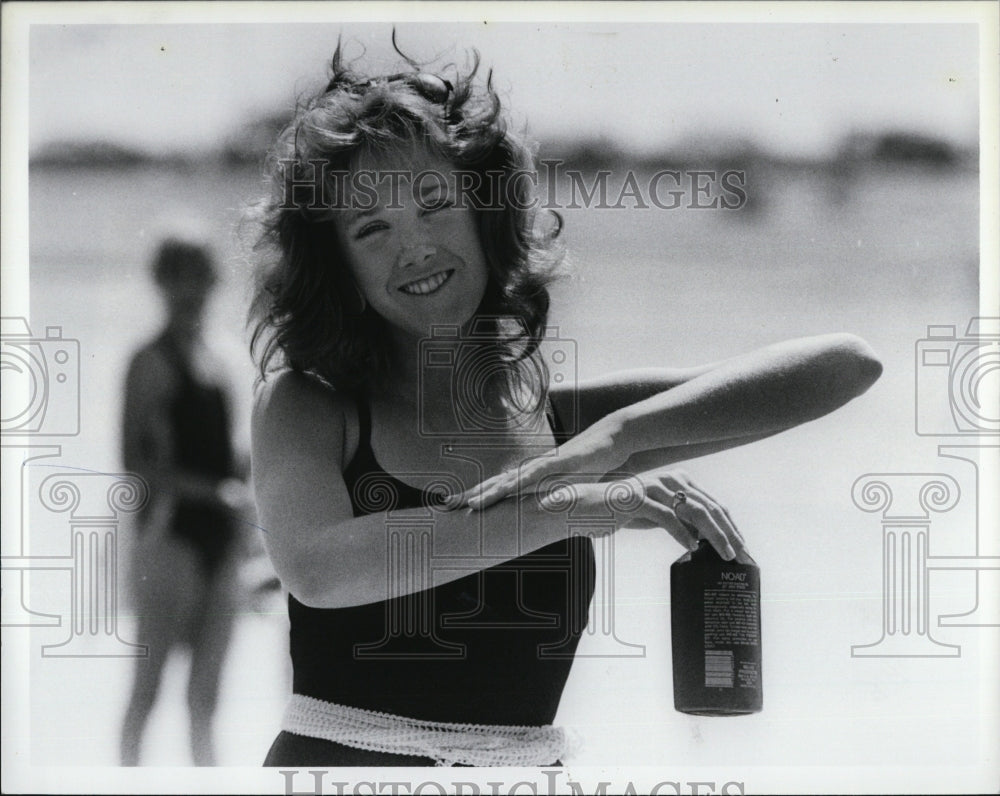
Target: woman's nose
[{"x": 415, "y": 254}]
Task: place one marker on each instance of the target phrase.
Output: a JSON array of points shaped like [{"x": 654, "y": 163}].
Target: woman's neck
[{"x": 185, "y": 336}]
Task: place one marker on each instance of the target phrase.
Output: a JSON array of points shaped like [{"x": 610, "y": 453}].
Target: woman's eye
[
  {"x": 370, "y": 229},
  {"x": 438, "y": 204}
]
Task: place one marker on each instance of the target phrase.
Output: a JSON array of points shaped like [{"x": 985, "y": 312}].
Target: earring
[{"x": 361, "y": 302}]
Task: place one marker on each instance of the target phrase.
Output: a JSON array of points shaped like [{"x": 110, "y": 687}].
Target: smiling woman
[
  {"x": 400, "y": 336},
  {"x": 413, "y": 262}
]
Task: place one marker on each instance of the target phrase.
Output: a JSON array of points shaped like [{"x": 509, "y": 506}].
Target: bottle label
[{"x": 732, "y": 619}]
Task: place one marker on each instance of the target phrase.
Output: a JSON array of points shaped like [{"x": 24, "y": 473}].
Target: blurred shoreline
[{"x": 891, "y": 148}]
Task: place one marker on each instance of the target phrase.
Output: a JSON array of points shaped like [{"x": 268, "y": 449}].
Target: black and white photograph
[{"x": 500, "y": 398}]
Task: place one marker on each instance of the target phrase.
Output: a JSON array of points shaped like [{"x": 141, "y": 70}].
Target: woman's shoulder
[
  {"x": 297, "y": 407},
  {"x": 292, "y": 393}
]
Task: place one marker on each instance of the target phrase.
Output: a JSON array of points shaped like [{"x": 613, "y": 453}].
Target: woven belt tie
[{"x": 446, "y": 744}]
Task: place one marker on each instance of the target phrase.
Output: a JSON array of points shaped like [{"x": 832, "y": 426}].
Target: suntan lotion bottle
[{"x": 715, "y": 630}]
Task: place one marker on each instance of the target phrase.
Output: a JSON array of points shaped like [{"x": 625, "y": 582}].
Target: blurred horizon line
[{"x": 252, "y": 144}]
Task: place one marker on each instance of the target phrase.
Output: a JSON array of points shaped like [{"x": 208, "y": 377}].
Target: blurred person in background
[{"x": 177, "y": 436}]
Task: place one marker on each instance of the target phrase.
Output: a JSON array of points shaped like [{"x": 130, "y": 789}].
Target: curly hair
[{"x": 305, "y": 311}]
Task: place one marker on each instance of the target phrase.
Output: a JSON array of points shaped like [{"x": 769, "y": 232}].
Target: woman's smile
[{"x": 428, "y": 286}]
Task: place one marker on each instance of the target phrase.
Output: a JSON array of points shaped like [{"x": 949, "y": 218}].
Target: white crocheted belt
[{"x": 446, "y": 744}]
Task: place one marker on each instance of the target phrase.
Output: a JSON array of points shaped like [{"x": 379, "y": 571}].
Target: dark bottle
[{"x": 715, "y": 630}]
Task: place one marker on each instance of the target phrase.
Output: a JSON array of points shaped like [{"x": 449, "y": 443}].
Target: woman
[
  {"x": 398, "y": 323},
  {"x": 177, "y": 436}
]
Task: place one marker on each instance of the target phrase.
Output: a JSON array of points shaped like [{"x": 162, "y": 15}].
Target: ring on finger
[{"x": 680, "y": 496}]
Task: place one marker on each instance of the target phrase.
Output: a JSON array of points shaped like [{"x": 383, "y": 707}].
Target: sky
[{"x": 791, "y": 88}]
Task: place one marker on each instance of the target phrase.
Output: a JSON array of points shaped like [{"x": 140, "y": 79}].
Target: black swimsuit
[
  {"x": 492, "y": 647},
  {"x": 199, "y": 420}
]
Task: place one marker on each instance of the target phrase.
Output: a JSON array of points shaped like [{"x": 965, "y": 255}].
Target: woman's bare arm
[
  {"x": 328, "y": 558},
  {"x": 737, "y": 401},
  {"x": 748, "y": 397},
  {"x": 324, "y": 555}
]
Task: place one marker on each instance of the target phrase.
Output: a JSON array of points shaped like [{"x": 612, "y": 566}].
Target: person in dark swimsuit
[
  {"x": 176, "y": 435},
  {"x": 438, "y": 582},
  {"x": 484, "y": 636}
]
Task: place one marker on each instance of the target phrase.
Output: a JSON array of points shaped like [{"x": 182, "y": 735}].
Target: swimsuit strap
[
  {"x": 364, "y": 469},
  {"x": 367, "y": 481},
  {"x": 559, "y": 431},
  {"x": 364, "y": 424}
]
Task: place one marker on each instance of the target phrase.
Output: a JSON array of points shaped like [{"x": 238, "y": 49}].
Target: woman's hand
[
  {"x": 666, "y": 499},
  {"x": 593, "y": 452}
]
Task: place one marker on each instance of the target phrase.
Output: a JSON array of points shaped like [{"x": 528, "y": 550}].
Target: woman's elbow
[
  {"x": 313, "y": 585},
  {"x": 867, "y": 365},
  {"x": 858, "y": 366},
  {"x": 296, "y": 570}
]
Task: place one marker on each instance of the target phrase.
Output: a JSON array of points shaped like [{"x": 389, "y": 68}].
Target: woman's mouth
[{"x": 428, "y": 285}]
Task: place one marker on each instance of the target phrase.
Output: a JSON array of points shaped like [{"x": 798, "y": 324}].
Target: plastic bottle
[{"x": 715, "y": 629}]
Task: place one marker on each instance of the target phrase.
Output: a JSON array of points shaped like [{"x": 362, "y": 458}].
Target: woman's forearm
[
  {"x": 664, "y": 457},
  {"x": 389, "y": 554},
  {"x": 756, "y": 395}
]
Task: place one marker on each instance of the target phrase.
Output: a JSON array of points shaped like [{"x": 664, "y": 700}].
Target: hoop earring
[{"x": 362, "y": 303}]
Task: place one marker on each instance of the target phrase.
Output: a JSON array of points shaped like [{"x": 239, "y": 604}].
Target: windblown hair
[{"x": 306, "y": 314}]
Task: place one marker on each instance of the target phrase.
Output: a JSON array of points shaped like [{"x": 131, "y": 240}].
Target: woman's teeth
[{"x": 428, "y": 285}]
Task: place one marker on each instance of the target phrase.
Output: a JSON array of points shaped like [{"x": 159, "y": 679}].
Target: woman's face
[{"x": 413, "y": 249}]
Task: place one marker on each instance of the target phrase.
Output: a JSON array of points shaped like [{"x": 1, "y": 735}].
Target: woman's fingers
[
  {"x": 730, "y": 518},
  {"x": 491, "y": 488},
  {"x": 692, "y": 513},
  {"x": 591, "y": 455},
  {"x": 496, "y": 489},
  {"x": 677, "y": 529},
  {"x": 516, "y": 482},
  {"x": 662, "y": 498},
  {"x": 698, "y": 510},
  {"x": 720, "y": 515}
]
